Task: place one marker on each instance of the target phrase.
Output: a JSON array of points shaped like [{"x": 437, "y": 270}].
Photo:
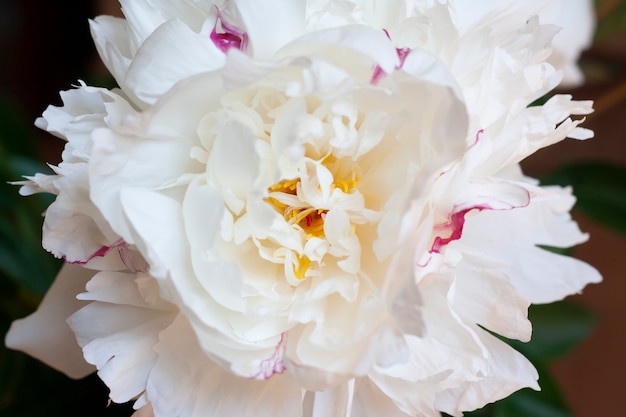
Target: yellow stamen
[
  {"x": 346, "y": 185},
  {"x": 287, "y": 186},
  {"x": 303, "y": 264},
  {"x": 309, "y": 219}
]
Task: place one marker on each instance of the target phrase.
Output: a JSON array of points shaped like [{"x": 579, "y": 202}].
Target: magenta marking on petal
[
  {"x": 103, "y": 251},
  {"x": 455, "y": 225},
  {"x": 479, "y": 136},
  {"x": 455, "y": 228},
  {"x": 378, "y": 72},
  {"x": 402, "y": 54},
  {"x": 423, "y": 263},
  {"x": 229, "y": 37},
  {"x": 274, "y": 364},
  {"x": 377, "y": 75}
]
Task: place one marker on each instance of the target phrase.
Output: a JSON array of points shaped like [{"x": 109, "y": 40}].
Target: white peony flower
[
  {"x": 161, "y": 43},
  {"x": 578, "y": 23},
  {"x": 315, "y": 209}
]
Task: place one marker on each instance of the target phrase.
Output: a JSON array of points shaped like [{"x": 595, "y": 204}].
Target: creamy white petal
[
  {"x": 116, "y": 47},
  {"x": 185, "y": 383},
  {"x": 147, "y": 138},
  {"x": 332, "y": 402},
  {"x": 486, "y": 297},
  {"x": 121, "y": 344},
  {"x": 527, "y": 265},
  {"x": 510, "y": 371},
  {"x": 577, "y": 20},
  {"x": 172, "y": 52},
  {"x": 271, "y": 23},
  {"x": 327, "y": 198},
  {"x": 45, "y": 335},
  {"x": 347, "y": 41},
  {"x": 370, "y": 401}
]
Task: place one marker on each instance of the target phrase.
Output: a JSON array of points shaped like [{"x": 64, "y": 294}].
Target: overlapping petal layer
[{"x": 313, "y": 208}]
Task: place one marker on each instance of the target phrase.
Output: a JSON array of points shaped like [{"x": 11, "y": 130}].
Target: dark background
[{"x": 45, "y": 47}]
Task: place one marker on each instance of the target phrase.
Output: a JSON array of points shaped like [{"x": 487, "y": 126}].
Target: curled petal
[{"x": 45, "y": 334}]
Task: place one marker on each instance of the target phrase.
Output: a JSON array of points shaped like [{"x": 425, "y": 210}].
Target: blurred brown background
[{"x": 45, "y": 47}]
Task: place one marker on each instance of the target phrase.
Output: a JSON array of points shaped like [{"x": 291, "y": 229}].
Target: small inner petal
[
  {"x": 288, "y": 199},
  {"x": 378, "y": 72},
  {"x": 228, "y": 36}
]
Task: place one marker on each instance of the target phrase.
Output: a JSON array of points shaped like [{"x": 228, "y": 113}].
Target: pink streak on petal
[
  {"x": 103, "y": 251},
  {"x": 231, "y": 37},
  {"x": 402, "y": 54},
  {"x": 377, "y": 75},
  {"x": 274, "y": 364},
  {"x": 479, "y": 136},
  {"x": 455, "y": 226},
  {"x": 378, "y": 71}
]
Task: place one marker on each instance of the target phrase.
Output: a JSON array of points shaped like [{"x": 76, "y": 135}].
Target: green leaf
[
  {"x": 600, "y": 189},
  {"x": 15, "y": 131},
  {"x": 557, "y": 329},
  {"x": 558, "y": 251},
  {"x": 22, "y": 259}
]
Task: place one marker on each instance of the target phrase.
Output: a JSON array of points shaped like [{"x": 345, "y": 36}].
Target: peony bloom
[
  {"x": 577, "y": 19},
  {"x": 308, "y": 210}
]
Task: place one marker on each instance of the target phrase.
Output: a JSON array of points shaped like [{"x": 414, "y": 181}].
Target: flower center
[
  {"x": 290, "y": 200},
  {"x": 309, "y": 219}
]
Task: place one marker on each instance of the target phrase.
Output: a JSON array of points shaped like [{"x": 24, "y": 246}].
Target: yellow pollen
[
  {"x": 344, "y": 185},
  {"x": 303, "y": 264},
  {"x": 308, "y": 219},
  {"x": 287, "y": 186},
  {"x": 347, "y": 185}
]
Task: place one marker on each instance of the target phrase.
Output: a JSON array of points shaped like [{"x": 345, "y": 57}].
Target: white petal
[
  {"x": 121, "y": 343},
  {"x": 332, "y": 402},
  {"x": 167, "y": 251},
  {"x": 486, "y": 297},
  {"x": 116, "y": 46},
  {"x": 508, "y": 237},
  {"x": 347, "y": 44},
  {"x": 234, "y": 164},
  {"x": 171, "y": 53},
  {"x": 508, "y": 13},
  {"x": 146, "y": 15},
  {"x": 271, "y": 23},
  {"x": 567, "y": 276},
  {"x": 45, "y": 335},
  {"x": 370, "y": 401},
  {"x": 577, "y": 18},
  {"x": 203, "y": 388},
  {"x": 167, "y": 133},
  {"x": 509, "y": 372},
  {"x": 72, "y": 226}
]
